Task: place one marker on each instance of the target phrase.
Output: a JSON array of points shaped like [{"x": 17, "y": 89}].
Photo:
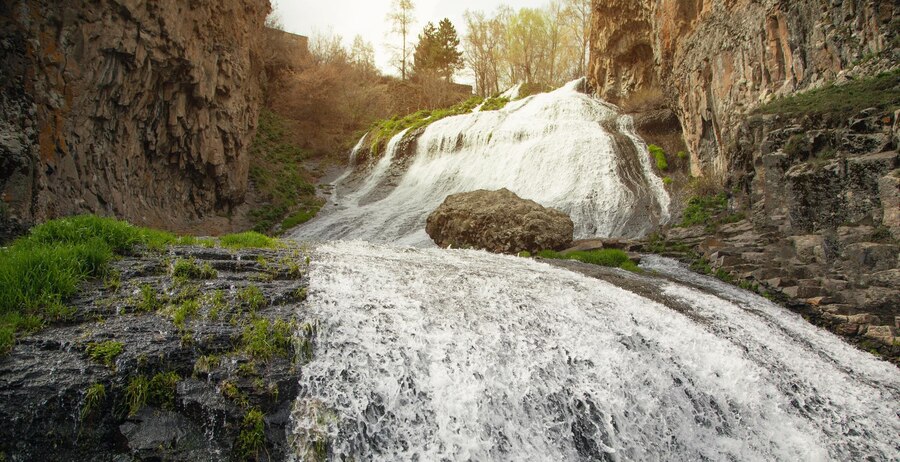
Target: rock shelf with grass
[{"x": 141, "y": 368}]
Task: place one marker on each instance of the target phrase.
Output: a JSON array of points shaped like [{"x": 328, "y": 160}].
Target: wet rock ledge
[{"x": 189, "y": 354}]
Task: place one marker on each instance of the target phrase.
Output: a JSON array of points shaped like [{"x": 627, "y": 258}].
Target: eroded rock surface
[
  {"x": 718, "y": 59},
  {"x": 142, "y": 110},
  {"x": 219, "y": 378},
  {"x": 498, "y": 221}
]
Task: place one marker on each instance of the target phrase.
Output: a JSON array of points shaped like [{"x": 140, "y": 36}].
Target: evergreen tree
[{"x": 438, "y": 50}]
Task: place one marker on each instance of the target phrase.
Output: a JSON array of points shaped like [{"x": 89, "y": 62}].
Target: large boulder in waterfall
[{"x": 498, "y": 221}]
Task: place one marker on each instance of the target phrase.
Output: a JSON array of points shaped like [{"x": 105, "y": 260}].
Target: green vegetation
[
  {"x": 614, "y": 258},
  {"x": 248, "y": 240},
  {"x": 206, "y": 364},
  {"x": 136, "y": 394},
  {"x": 263, "y": 340},
  {"x": 93, "y": 397},
  {"x": 682, "y": 155},
  {"x": 217, "y": 305},
  {"x": 299, "y": 218},
  {"x": 667, "y": 180},
  {"x": 701, "y": 209},
  {"x": 253, "y": 297},
  {"x": 881, "y": 92},
  {"x": 183, "y": 312},
  {"x": 41, "y": 270},
  {"x": 105, "y": 352},
  {"x": 532, "y": 88},
  {"x": 277, "y": 174},
  {"x": 162, "y": 389},
  {"x": 233, "y": 393},
  {"x": 660, "y": 156},
  {"x": 149, "y": 301},
  {"x": 494, "y": 103},
  {"x": 383, "y": 130},
  {"x": 252, "y": 438},
  {"x": 185, "y": 269}
]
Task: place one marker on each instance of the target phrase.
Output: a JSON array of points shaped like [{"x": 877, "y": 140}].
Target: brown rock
[
  {"x": 144, "y": 110},
  {"x": 498, "y": 221}
]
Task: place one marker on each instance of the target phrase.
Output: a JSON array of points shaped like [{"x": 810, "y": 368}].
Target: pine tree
[{"x": 438, "y": 50}]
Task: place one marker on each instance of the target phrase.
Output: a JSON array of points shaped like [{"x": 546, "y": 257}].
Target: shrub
[
  {"x": 105, "y": 352},
  {"x": 659, "y": 155},
  {"x": 248, "y": 239}
]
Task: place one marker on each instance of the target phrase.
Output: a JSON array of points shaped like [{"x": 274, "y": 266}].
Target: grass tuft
[
  {"x": 93, "y": 398},
  {"x": 263, "y": 340},
  {"x": 136, "y": 394},
  {"x": 189, "y": 269},
  {"x": 105, "y": 352},
  {"x": 660, "y": 156},
  {"x": 162, "y": 389},
  {"x": 253, "y": 297},
  {"x": 252, "y": 438},
  {"x": 614, "y": 258},
  {"x": 248, "y": 240}
]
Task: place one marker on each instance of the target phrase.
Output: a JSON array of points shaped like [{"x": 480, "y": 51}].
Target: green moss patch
[
  {"x": 613, "y": 258},
  {"x": 105, "y": 352},
  {"x": 248, "y": 240},
  {"x": 881, "y": 92}
]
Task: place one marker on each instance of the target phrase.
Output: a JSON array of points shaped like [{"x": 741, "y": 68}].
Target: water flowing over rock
[
  {"x": 143, "y": 110},
  {"x": 563, "y": 149},
  {"x": 429, "y": 354},
  {"x": 498, "y": 221}
]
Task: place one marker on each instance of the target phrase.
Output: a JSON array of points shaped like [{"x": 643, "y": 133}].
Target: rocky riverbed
[{"x": 190, "y": 354}]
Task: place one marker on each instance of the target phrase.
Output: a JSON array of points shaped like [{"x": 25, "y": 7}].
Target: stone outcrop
[
  {"x": 498, "y": 221},
  {"x": 718, "y": 59},
  {"x": 142, "y": 110},
  {"x": 219, "y": 377}
]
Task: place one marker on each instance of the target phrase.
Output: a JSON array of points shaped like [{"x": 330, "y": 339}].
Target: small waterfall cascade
[
  {"x": 431, "y": 354},
  {"x": 563, "y": 149}
]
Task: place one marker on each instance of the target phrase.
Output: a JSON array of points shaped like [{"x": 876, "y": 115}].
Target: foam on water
[
  {"x": 562, "y": 149},
  {"x": 429, "y": 354}
]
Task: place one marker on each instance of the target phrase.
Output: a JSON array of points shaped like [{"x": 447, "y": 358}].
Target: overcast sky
[{"x": 368, "y": 18}]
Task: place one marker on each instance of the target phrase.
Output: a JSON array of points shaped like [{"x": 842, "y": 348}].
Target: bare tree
[
  {"x": 402, "y": 19},
  {"x": 362, "y": 54},
  {"x": 578, "y": 18}
]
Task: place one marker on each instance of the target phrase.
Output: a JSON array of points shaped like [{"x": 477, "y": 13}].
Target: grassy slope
[
  {"x": 881, "y": 92},
  {"x": 38, "y": 272},
  {"x": 279, "y": 177}
]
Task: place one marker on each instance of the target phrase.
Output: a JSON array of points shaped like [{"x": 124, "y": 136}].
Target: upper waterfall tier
[{"x": 562, "y": 149}]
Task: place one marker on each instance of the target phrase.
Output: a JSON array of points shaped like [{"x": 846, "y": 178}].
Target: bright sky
[{"x": 348, "y": 18}]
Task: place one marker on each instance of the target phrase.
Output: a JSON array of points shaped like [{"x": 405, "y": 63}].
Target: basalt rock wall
[
  {"x": 143, "y": 110},
  {"x": 718, "y": 59}
]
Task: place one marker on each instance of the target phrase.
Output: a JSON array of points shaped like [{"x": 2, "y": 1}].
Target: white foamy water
[
  {"x": 428, "y": 354},
  {"x": 562, "y": 149}
]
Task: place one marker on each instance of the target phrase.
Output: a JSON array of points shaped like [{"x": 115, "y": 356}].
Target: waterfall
[
  {"x": 562, "y": 149},
  {"x": 430, "y": 354}
]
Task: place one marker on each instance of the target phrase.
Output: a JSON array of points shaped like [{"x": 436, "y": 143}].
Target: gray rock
[{"x": 498, "y": 221}]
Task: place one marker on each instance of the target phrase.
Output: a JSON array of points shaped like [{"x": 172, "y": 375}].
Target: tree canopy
[{"x": 438, "y": 50}]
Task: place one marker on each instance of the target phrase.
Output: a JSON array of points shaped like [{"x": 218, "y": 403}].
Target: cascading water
[
  {"x": 429, "y": 354},
  {"x": 562, "y": 149}
]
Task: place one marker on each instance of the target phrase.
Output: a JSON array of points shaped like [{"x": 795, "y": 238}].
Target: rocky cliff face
[
  {"x": 813, "y": 215},
  {"x": 718, "y": 59},
  {"x": 143, "y": 110}
]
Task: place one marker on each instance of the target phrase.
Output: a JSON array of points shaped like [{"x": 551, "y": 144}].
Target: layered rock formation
[
  {"x": 143, "y": 110},
  {"x": 820, "y": 192},
  {"x": 717, "y": 59},
  {"x": 498, "y": 221}
]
